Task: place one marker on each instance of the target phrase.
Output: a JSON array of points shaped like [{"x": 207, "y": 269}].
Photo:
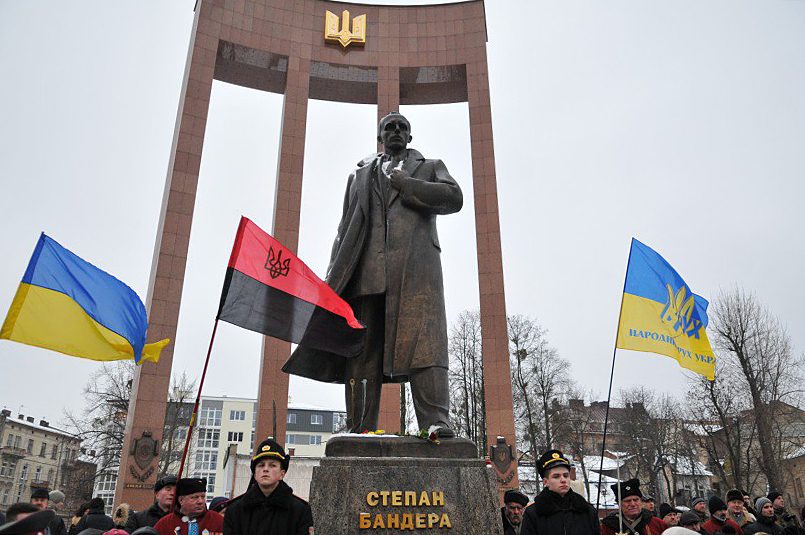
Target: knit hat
[
  {"x": 734, "y": 494},
  {"x": 56, "y": 496},
  {"x": 773, "y": 495},
  {"x": 515, "y": 496},
  {"x": 627, "y": 488},
  {"x": 40, "y": 493},
  {"x": 760, "y": 502},
  {"x": 271, "y": 449},
  {"x": 689, "y": 518},
  {"x": 666, "y": 509},
  {"x": 716, "y": 504},
  {"x": 695, "y": 501},
  {"x": 648, "y": 498}
]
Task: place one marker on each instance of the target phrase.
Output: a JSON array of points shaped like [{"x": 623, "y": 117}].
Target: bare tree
[
  {"x": 649, "y": 422},
  {"x": 539, "y": 376},
  {"x": 102, "y": 422},
  {"x": 574, "y": 425},
  {"x": 756, "y": 348},
  {"x": 468, "y": 406}
]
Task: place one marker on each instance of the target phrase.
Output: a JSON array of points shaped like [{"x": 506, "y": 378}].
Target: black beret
[
  {"x": 551, "y": 459},
  {"x": 191, "y": 485},
  {"x": 734, "y": 494},
  {"x": 32, "y": 523},
  {"x": 164, "y": 482},
  {"x": 40, "y": 493},
  {"x": 773, "y": 495},
  {"x": 269, "y": 448},
  {"x": 627, "y": 488},
  {"x": 515, "y": 496}
]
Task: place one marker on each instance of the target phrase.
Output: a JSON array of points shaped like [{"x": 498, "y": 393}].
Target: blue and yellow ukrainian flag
[
  {"x": 68, "y": 305},
  {"x": 660, "y": 313}
]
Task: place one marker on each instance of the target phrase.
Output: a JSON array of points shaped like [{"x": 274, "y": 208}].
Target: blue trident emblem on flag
[{"x": 678, "y": 312}]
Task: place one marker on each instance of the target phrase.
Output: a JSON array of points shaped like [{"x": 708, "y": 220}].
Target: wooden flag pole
[
  {"x": 198, "y": 400},
  {"x": 611, "y": 376}
]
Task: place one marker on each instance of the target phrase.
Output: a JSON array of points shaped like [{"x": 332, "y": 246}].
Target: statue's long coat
[{"x": 415, "y": 325}]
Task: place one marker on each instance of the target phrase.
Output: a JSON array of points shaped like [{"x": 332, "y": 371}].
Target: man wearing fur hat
[
  {"x": 192, "y": 516},
  {"x": 736, "y": 510},
  {"x": 269, "y": 505},
  {"x": 632, "y": 519},
  {"x": 514, "y": 503},
  {"x": 719, "y": 523},
  {"x": 557, "y": 509}
]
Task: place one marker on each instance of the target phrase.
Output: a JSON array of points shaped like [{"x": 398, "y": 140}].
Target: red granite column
[
  {"x": 497, "y": 380},
  {"x": 151, "y": 381},
  {"x": 388, "y": 100},
  {"x": 273, "y": 388}
]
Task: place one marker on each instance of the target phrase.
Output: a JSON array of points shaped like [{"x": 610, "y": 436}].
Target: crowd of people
[
  {"x": 179, "y": 508},
  {"x": 269, "y": 507},
  {"x": 558, "y": 510}
]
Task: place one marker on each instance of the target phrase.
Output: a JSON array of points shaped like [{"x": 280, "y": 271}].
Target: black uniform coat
[
  {"x": 279, "y": 513},
  {"x": 552, "y": 514},
  {"x": 149, "y": 518},
  {"x": 410, "y": 270}
]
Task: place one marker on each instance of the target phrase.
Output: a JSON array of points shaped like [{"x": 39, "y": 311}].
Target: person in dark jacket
[
  {"x": 269, "y": 505},
  {"x": 41, "y": 498},
  {"x": 699, "y": 506},
  {"x": 719, "y": 523},
  {"x": 514, "y": 503},
  {"x": 95, "y": 518},
  {"x": 557, "y": 510},
  {"x": 766, "y": 520},
  {"x": 632, "y": 519},
  {"x": 786, "y": 519},
  {"x": 164, "y": 494}
]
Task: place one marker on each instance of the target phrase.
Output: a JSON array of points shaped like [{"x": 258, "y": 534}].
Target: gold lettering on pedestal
[{"x": 405, "y": 521}]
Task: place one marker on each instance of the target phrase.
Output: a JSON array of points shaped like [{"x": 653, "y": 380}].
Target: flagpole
[
  {"x": 611, "y": 376},
  {"x": 198, "y": 400}
]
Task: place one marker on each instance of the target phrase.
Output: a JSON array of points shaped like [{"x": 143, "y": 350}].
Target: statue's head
[{"x": 394, "y": 132}]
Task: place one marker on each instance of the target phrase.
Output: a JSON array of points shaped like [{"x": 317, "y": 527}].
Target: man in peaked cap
[
  {"x": 192, "y": 516},
  {"x": 28, "y": 523},
  {"x": 269, "y": 505},
  {"x": 632, "y": 519},
  {"x": 514, "y": 503},
  {"x": 164, "y": 494},
  {"x": 558, "y": 509}
]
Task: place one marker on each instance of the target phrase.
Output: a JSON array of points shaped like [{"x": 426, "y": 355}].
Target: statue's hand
[{"x": 397, "y": 178}]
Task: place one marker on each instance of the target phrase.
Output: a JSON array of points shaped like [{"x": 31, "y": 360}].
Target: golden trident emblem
[{"x": 344, "y": 36}]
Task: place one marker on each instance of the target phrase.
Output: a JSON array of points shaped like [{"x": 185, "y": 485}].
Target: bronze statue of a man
[{"x": 386, "y": 263}]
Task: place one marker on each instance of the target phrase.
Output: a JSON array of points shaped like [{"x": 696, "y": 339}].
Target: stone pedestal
[{"x": 368, "y": 484}]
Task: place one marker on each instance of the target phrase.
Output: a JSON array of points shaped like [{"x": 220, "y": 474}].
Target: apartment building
[{"x": 33, "y": 454}]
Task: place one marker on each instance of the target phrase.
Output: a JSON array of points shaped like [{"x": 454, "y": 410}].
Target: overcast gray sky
[{"x": 681, "y": 123}]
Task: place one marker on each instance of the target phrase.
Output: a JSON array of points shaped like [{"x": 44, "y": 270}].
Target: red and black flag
[{"x": 269, "y": 290}]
